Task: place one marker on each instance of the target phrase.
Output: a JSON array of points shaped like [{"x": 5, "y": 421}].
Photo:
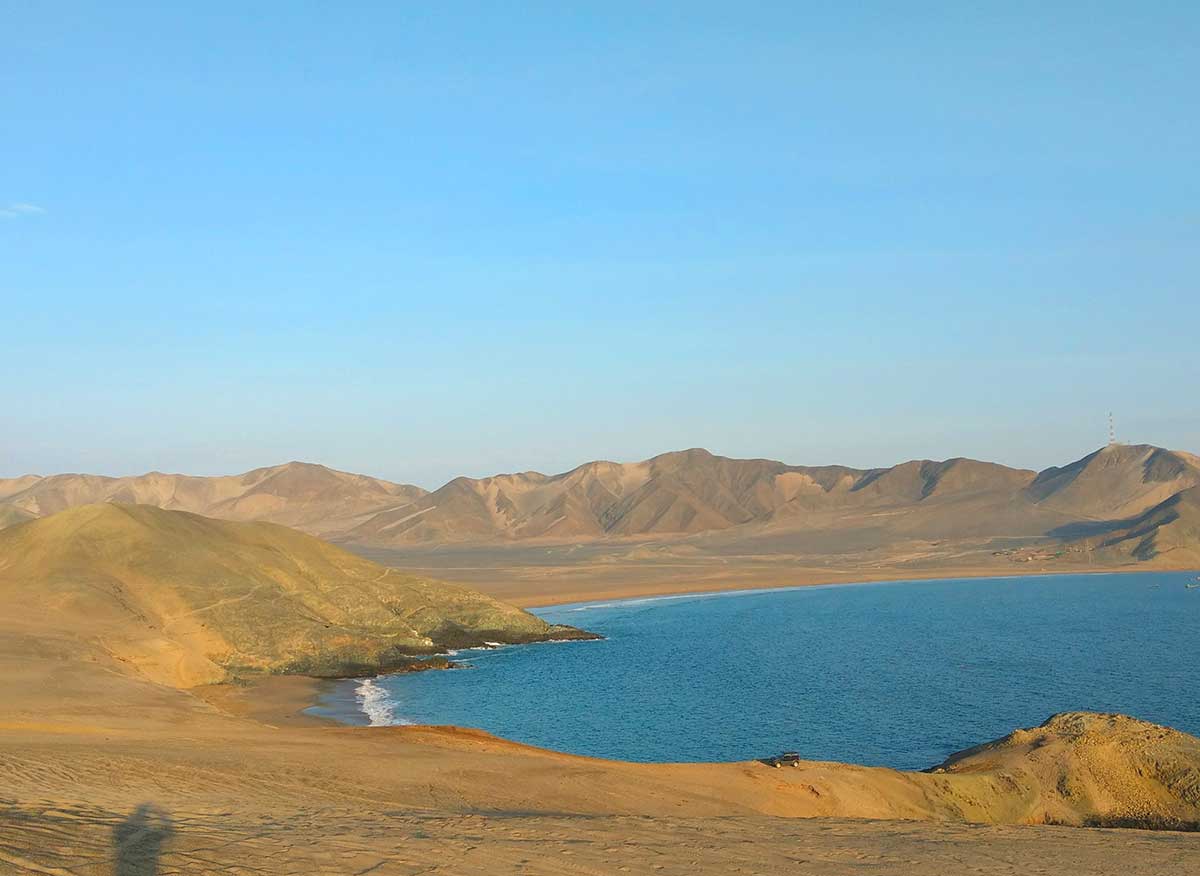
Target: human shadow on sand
[{"x": 139, "y": 841}]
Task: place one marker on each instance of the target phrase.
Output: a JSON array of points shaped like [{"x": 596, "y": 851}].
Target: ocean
[{"x": 898, "y": 674}]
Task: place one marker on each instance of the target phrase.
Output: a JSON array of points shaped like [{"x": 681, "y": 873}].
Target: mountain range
[
  {"x": 312, "y": 498},
  {"x": 1137, "y": 502}
]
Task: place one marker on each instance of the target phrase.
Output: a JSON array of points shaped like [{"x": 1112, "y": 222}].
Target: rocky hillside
[
  {"x": 1169, "y": 532},
  {"x": 185, "y": 599},
  {"x": 1085, "y": 768},
  {"x": 694, "y": 492},
  {"x": 688, "y": 492},
  {"x": 1116, "y": 481}
]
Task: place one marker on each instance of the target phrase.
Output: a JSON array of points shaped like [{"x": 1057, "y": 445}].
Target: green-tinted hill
[
  {"x": 185, "y": 599},
  {"x": 10, "y": 516}
]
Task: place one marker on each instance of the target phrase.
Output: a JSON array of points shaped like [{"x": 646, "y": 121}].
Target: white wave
[
  {"x": 377, "y": 705},
  {"x": 549, "y": 611},
  {"x": 563, "y": 641},
  {"x": 643, "y": 600}
]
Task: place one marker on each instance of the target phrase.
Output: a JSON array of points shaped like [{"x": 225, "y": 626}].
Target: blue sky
[{"x": 421, "y": 240}]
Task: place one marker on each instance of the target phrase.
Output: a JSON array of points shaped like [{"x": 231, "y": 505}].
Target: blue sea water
[{"x": 896, "y": 674}]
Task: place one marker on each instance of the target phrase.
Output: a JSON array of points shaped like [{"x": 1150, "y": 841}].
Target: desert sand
[
  {"x": 115, "y": 765},
  {"x": 106, "y": 774}
]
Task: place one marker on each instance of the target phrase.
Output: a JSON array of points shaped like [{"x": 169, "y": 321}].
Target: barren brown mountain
[
  {"x": 311, "y": 497},
  {"x": 1115, "y": 482},
  {"x": 674, "y": 494},
  {"x": 1168, "y": 531},
  {"x": 681, "y": 493}
]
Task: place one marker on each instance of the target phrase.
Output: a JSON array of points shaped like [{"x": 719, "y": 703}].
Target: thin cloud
[{"x": 17, "y": 210}]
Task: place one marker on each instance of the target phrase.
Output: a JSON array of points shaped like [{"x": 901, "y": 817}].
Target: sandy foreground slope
[{"x": 102, "y": 773}]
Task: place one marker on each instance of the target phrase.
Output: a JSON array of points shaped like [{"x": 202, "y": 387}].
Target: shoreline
[
  {"x": 275, "y": 700},
  {"x": 237, "y": 776},
  {"x": 655, "y": 589},
  {"x": 296, "y": 700}
]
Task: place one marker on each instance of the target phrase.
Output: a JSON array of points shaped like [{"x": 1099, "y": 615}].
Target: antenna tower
[{"x": 1112, "y": 431}]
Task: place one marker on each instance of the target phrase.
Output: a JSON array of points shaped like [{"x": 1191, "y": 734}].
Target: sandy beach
[{"x": 513, "y": 576}]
